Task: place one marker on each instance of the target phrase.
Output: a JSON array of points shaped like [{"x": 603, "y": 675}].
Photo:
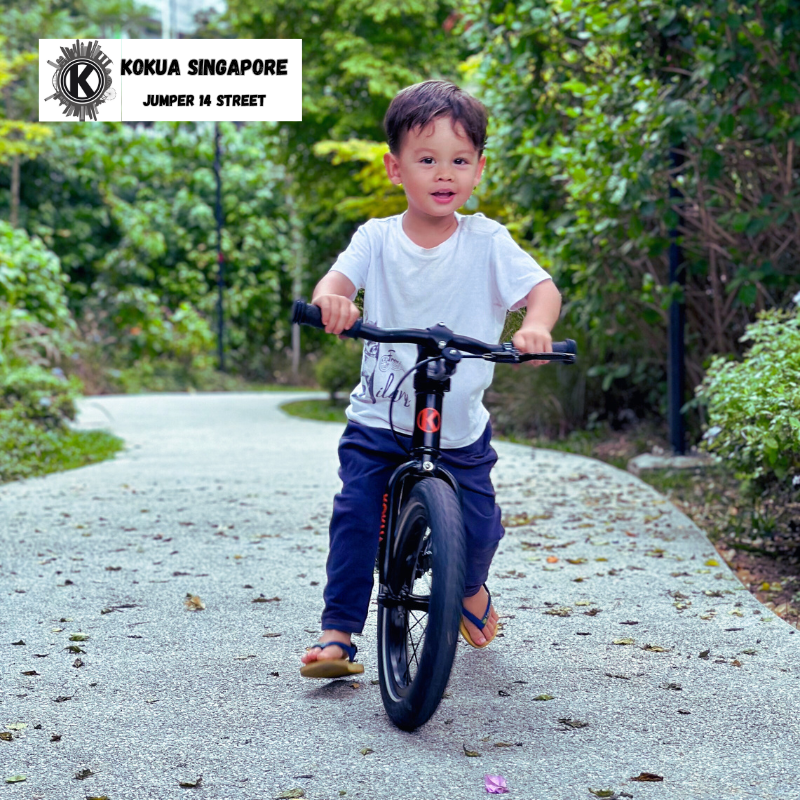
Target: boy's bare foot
[
  {"x": 329, "y": 652},
  {"x": 477, "y": 605}
]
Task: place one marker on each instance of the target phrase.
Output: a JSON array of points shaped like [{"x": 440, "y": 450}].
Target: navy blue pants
[{"x": 367, "y": 459}]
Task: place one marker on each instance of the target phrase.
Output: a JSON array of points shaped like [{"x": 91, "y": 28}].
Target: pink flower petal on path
[{"x": 496, "y": 784}]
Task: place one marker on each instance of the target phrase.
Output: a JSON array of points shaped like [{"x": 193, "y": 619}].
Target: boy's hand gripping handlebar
[{"x": 439, "y": 337}]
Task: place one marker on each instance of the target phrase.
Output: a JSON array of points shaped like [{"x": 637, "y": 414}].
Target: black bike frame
[{"x": 430, "y": 385}]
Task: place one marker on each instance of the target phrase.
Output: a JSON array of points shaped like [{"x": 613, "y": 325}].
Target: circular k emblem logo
[
  {"x": 82, "y": 80},
  {"x": 428, "y": 420}
]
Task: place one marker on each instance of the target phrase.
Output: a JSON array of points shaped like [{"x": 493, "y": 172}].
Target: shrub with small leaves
[
  {"x": 340, "y": 368},
  {"x": 754, "y": 405}
]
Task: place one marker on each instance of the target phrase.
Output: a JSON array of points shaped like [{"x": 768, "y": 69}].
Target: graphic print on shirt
[
  {"x": 369, "y": 361},
  {"x": 380, "y": 374}
]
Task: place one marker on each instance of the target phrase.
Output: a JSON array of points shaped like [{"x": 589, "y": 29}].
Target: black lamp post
[
  {"x": 220, "y": 257},
  {"x": 676, "y": 370}
]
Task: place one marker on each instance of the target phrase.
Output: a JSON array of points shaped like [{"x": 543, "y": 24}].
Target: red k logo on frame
[{"x": 428, "y": 420}]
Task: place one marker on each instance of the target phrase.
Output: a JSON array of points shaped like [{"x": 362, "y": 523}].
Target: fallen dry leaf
[
  {"x": 193, "y": 602},
  {"x": 573, "y": 723},
  {"x": 626, "y": 640},
  {"x": 544, "y": 697},
  {"x": 647, "y": 776},
  {"x": 291, "y": 794},
  {"x": 470, "y": 753},
  {"x": 262, "y": 599},
  {"x": 191, "y": 784}
]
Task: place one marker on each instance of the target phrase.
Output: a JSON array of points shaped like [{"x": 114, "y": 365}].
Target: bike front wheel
[{"x": 419, "y": 608}]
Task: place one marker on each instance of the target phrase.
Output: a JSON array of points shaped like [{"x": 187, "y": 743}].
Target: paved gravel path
[{"x": 614, "y": 605}]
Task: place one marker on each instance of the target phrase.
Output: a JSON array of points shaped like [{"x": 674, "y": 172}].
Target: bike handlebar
[{"x": 438, "y": 337}]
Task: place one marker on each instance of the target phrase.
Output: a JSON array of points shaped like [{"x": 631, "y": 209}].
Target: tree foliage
[
  {"x": 587, "y": 98},
  {"x": 130, "y": 212},
  {"x": 356, "y": 56}
]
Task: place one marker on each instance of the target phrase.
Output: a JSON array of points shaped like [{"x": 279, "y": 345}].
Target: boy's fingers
[{"x": 338, "y": 314}]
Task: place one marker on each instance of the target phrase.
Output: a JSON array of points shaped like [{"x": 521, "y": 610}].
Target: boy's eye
[
  {"x": 461, "y": 161},
  {"x": 427, "y": 160}
]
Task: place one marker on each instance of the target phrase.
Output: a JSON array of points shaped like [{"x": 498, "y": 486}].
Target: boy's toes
[{"x": 322, "y": 654}]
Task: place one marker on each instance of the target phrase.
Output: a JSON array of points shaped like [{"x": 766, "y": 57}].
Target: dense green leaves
[
  {"x": 588, "y": 97},
  {"x": 31, "y": 281},
  {"x": 754, "y": 405}
]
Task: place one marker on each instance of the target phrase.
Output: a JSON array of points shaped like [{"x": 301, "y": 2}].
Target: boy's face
[{"x": 438, "y": 166}]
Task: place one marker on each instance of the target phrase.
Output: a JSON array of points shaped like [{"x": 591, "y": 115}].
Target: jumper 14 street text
[{"x": 204, "y": 100}]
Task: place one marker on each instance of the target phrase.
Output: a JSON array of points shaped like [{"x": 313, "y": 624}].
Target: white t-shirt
[{"x": 468, "y": 283}]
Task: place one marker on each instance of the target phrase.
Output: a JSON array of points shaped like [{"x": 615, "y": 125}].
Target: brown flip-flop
[{"x": 333, "y": 667}]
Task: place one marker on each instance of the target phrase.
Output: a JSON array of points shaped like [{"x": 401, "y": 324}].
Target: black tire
[{"x": 418, "y": 632}]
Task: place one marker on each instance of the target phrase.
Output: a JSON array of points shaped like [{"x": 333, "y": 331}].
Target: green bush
[
  {"x": 754, "y": 405},
  {"x": 340, "y": 368},
  {"x": 38, "y": 395},
  {"x": 36, "y": 325},
  {"x": 31, "y": 278}
]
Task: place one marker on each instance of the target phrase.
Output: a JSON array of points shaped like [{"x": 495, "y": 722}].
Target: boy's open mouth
[{"x": 443, "y": 196}]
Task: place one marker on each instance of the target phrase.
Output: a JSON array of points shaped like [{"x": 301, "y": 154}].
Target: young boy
[{"x": 427, "y": 265}]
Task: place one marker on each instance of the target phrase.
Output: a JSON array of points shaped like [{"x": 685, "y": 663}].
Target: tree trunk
[
  {"x": 14, "y": 215},
  {"x": 14, "y": 200},
  {"x": 297, "y": 275}
]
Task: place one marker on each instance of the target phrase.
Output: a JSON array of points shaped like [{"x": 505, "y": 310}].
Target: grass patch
[
  {"x": 321, "y": 410},
  {"x": 28, "y": 451}
]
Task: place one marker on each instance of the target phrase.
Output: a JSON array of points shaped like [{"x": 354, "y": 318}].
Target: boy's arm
[
  {"x": 332, "y": 294},
  {"x": 544, "y": 307}
]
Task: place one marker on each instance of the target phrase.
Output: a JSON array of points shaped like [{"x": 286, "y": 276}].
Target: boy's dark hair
[{"x": 417, "y": 105}]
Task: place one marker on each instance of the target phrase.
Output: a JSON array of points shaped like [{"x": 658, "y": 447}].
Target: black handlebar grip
[
  {"x": 567, "y": 346},
  {"x": 306, "y": 314}
]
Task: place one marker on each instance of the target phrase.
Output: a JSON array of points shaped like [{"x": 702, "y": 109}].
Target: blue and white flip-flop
[
  {"x": 478, "y": 623},
  {"x": 333, "y": 667}
]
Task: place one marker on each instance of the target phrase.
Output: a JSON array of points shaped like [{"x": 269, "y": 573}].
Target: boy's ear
[
  {"x": 392, "y": 168},
  {"x": 481, "y": 165}
]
